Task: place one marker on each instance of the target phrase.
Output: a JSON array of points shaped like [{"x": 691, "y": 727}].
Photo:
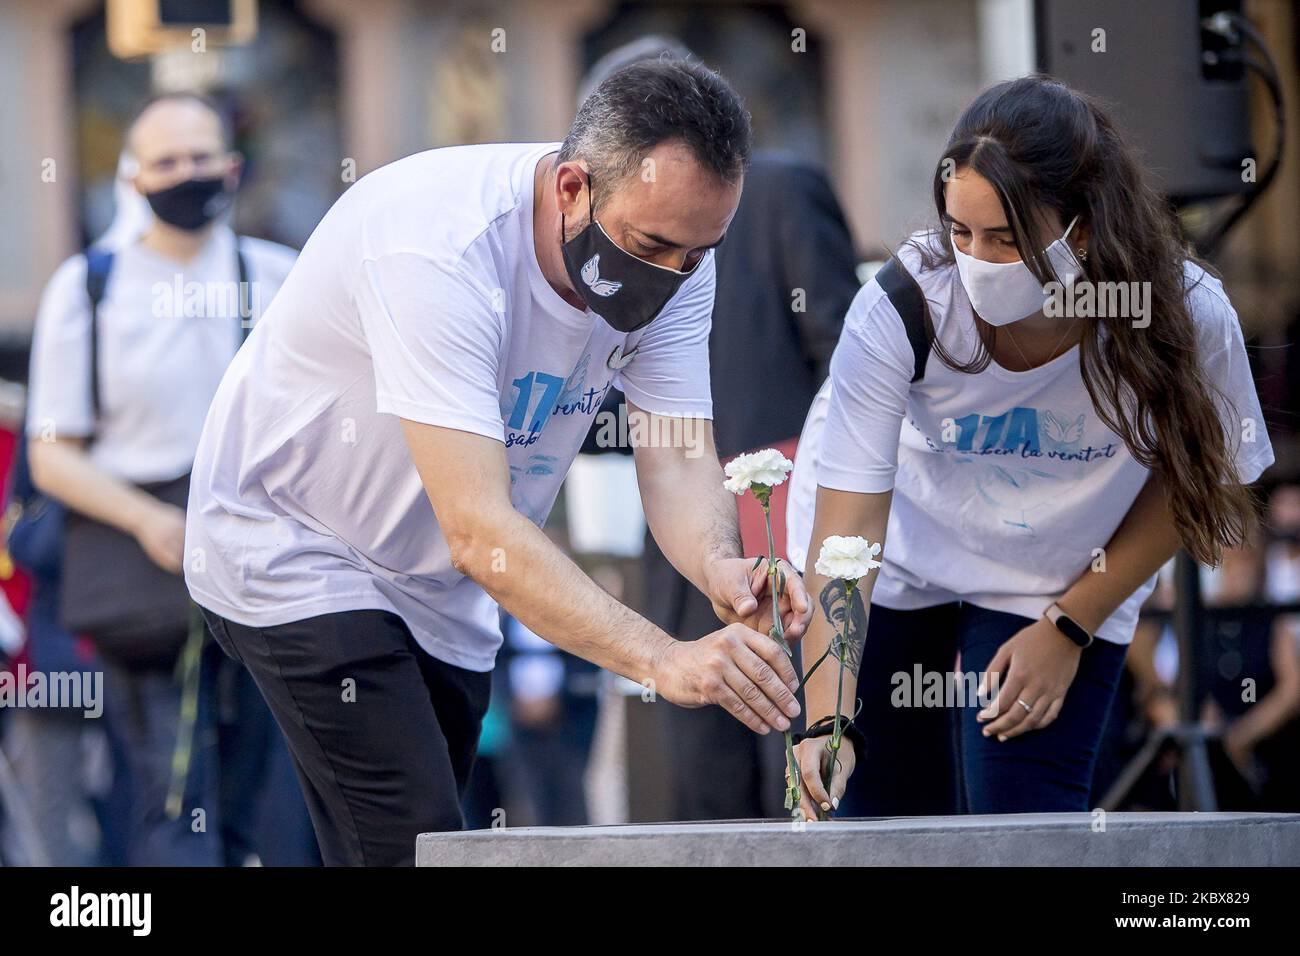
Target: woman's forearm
[
  {"x": 823, "y": 691},
  {"x": 1144, "y": 541},
  {"x": 842, "y": 513}
]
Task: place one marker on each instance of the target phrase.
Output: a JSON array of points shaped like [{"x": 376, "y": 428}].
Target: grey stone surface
[{"x": 1030, "y": 839}]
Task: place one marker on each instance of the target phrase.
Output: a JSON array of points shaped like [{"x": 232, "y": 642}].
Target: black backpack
[{"x": 134, "y": 610}]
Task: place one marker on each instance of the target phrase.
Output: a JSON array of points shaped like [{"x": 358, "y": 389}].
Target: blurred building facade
[{"x": 331, "y": 89}]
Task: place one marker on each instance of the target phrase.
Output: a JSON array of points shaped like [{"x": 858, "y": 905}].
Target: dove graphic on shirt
[
  {"x": 619, "y": 359},
  {"x": 591, "y": 276},
  {"x": 575, "y": 383},
  {"x": 1059, "y": 433}
]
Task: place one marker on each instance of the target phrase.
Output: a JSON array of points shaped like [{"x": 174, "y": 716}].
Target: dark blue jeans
[
  {"x": 239, "y": 773},
  {"x": 927, "y": 758}
]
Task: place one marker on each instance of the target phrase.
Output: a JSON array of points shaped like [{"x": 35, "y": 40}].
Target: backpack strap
[
  {"x": 907, "y": 298},
  {"x": 99, "y": 264},
  {"x": 245, "y": 308}
]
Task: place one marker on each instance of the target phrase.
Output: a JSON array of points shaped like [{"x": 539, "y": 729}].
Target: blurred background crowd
[{"x": 851, "y": 100}]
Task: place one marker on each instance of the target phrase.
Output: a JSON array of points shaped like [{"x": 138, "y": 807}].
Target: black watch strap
[
  {"x": 1067, "y": 625},
  {"x": 826, "y": 726}
]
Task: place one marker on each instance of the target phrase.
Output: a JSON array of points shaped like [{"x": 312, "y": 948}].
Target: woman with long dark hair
[{"x": 1071, "y": 404}]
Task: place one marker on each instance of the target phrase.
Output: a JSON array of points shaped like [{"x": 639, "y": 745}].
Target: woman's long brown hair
[{"x": 1044, "y": 146}]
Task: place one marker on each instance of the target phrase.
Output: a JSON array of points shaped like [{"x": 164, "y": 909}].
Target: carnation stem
[
  {"x": 833, "y": 745},
  {"x": 772, "y": 573},
  {"x": 793, "y": 780}
]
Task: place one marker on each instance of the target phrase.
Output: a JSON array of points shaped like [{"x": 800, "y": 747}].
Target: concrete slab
[{"x": 1030, "y": 839}]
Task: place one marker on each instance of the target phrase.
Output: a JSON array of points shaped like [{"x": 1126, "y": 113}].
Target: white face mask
[{"x": 1006, "y": 292}]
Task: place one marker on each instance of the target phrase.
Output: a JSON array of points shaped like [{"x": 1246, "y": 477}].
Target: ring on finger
[{"x": 1029, "y": 709}]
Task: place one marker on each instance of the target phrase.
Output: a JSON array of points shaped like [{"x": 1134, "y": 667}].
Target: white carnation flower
[
  {"x": 847, "y": 558},
  {"x": 767, "y": 467}
]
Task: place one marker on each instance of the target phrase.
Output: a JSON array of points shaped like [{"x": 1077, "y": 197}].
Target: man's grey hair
[
  {"x": 651, "y": 47},
  {"x": 666, "y": 99}
]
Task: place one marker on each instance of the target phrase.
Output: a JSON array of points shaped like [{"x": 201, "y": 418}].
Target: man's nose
[{"x": 673, "y": 259}]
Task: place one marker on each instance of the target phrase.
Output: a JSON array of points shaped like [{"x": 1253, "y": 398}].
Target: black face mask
[
  {"x": 625, "y": 291},
  {"x": 192, "y": 204}
]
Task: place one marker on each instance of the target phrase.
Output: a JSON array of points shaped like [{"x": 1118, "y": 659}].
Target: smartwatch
[{"x": 1067, "y": 625}]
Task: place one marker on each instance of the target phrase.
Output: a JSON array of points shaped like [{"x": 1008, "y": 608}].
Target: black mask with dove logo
[{"x": 625, "y": 291}]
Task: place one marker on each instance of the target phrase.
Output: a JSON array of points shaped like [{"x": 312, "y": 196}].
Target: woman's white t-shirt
[
  {"x": 1006, "y": 485},
  {"x": 419, "y": 296}
]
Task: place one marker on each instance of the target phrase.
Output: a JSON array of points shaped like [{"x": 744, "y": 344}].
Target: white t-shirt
[
  {"x": 167, "y": 331},
  {"x": 419, "y": 295},
  {"x": 1004, "y": 482},
  {"x": 1281, "y": 574}
]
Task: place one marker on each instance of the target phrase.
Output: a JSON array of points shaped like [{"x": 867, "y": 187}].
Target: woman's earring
[{"x": 1083, "y": 255}]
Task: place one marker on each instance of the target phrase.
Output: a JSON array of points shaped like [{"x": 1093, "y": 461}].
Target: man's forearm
[
  {"x": 1144, "y": 541},
  {"x": 511, "y": 559},
  {"x": 693, "y": 518},
  {"x": 702, "y": 527}
]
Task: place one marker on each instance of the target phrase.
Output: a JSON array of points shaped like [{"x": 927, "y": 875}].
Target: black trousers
[{"x": 382, "y": 734}]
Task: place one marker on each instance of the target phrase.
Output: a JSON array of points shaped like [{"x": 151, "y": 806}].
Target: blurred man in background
[{"x": 130, "y": 343}]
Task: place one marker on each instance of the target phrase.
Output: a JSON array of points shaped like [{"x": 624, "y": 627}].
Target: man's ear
[
  {"x": 572, "y": 188},
  {"x": 129, "y": 169}
]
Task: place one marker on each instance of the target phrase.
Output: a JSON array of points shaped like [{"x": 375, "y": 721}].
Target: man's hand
[
  {"x": 739, "y": 592},
  {"x": 1037, "y": 666},
  {"x": 740, "y": 670},
  {"x": 161, "y": 533},
  {"x": 467, "y": 479},
  {"x": 694, "y": 521}
]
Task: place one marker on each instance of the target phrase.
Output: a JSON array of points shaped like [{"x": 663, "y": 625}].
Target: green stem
[
  {"x": 794, "y": 786},
  {"x": 778, "y": 628},
  {"x": 844, "y": 651},
  {"x": 793, "y": 781},
  {"x": 833, "y": 745}
]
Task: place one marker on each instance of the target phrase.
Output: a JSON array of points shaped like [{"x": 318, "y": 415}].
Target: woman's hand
[
  {"x": 812, "y": 794},
  {"x": 1036, "y": 667}
]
